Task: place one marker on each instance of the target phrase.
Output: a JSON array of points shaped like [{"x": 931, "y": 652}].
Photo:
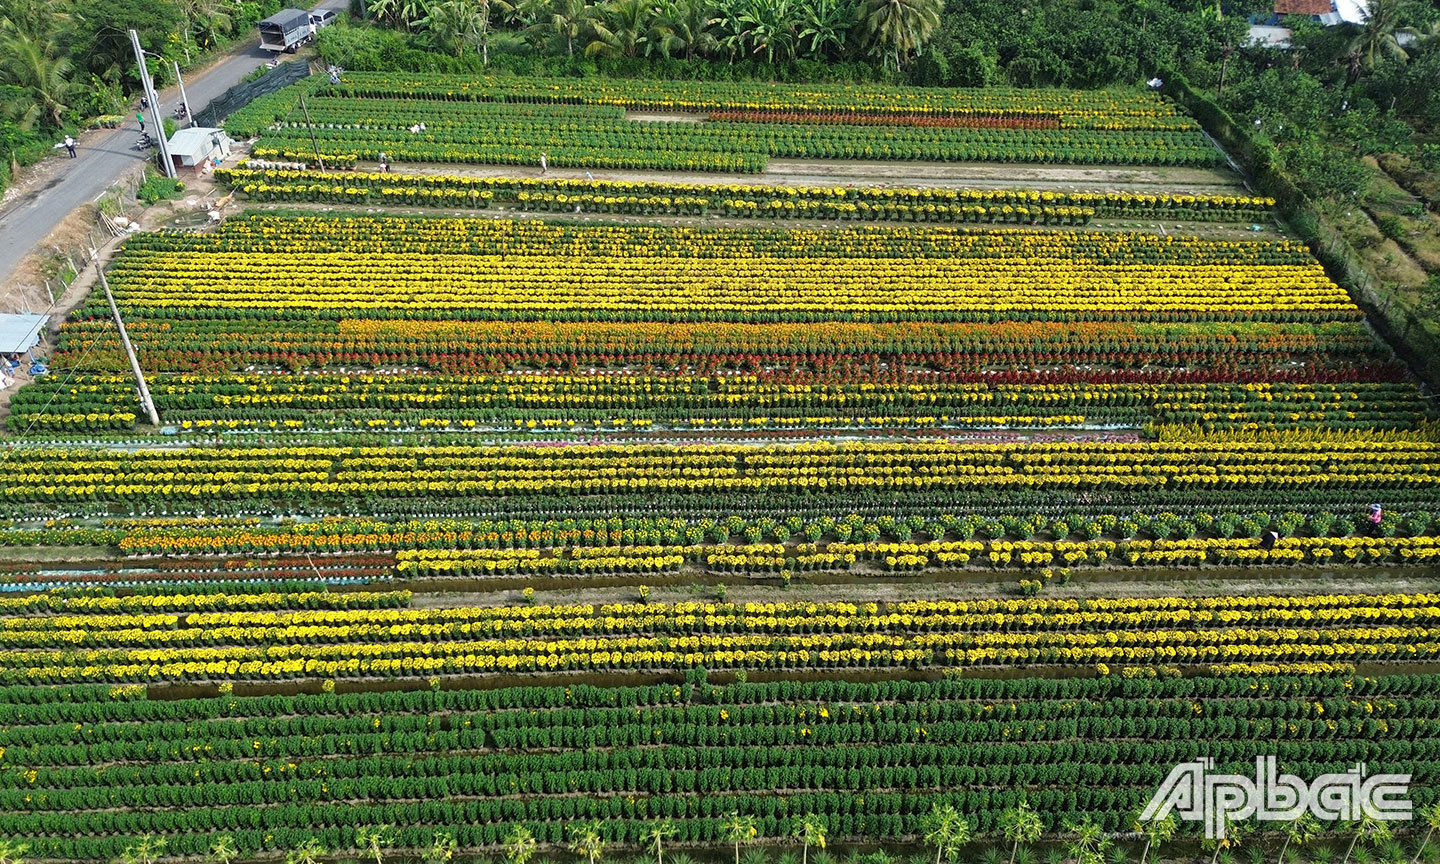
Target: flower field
[
  {"x": 627, "y": 501},
  {"x": 582, "y": 124},
  {"x": 498, "y": 325},
  {"x": 871, "y": 759}
]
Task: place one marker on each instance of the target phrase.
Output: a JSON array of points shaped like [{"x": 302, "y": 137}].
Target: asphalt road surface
[{"x": 106, "y": 155}]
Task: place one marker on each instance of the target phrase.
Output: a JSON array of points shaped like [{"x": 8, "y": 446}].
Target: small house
[{"x": 193, "y": 147}]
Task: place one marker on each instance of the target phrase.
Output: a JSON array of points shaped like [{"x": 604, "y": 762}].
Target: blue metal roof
[{"x": 20, "y": 333}]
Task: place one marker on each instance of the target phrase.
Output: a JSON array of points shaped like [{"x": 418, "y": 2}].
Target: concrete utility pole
[
  {"x": 145, "y": 401},
  {"x": 167, "y": 164},
  {"x": 311, "y": 127},
  {"x": 184, "y": 100}
]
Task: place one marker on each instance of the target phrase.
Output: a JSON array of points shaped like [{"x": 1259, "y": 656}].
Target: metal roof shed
[
  {"x": 19, "y": 333},
  {"x": 192, "y": 146}
]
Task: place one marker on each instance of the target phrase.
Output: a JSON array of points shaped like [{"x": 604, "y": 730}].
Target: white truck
[{"x": 286, "y": 31}]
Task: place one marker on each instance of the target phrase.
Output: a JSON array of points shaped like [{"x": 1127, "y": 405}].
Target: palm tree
[
  {"x": 657, "y": 833},
  {"x": 900, "y": 27},
  {"x": 309, "y": 852},
  {"x": 1377, "y": 36},
  {"x": 567, "y": 19},
  {"x": 1299, "y": 831},
  {"x": 1156, "y": 831},
  {"x": 13, "y": 853},
  {"x": 40, "y": 68},
  {"x": 441, "y": 848},
  {"x": 373, "y": 838},
  {"x": 1431, "y": 815},
  {"x": 452, "y": 25},
  {"x": 1370, "y": 829},
  {"x": 206, "y": 22},
  {"x": 810, "y": 831},
  {"x": 222, "y": 850},
  {"x": 685, "y": 27},
  {"x": 486, "y": 7},
  {"x": 1020, "y": 824},
  {"x": 947, "y": 831},
  {"x": 520, "y": 845},
  {"x": 739, "y": 829},
  {"x": 621, "y": 29},
  {"x": 586, "y": 842}
]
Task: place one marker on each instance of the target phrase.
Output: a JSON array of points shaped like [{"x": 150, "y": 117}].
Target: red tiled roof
[{"x": 1303, "y": 7}]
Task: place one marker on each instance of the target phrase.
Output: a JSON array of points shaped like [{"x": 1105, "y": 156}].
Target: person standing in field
[
  {"x": 544, "y": 165},
  {"x": 70, "y": 146}
]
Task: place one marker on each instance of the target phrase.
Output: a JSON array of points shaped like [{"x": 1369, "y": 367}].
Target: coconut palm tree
[
  {"x": 899, "y": 28},
  {"x": 739, "y": 829},
  {"x": 587, "y": 842},
  {"x": 38, "y": 66},
  {"x": 1156, "y": 831},
  {"x": 621, "y": 30},
  {"x": 1378, "y": 36},
  {"x": 1020, "y": 824},
  {"x": 206, "y": 21},
  {"x": 657, "y": 834},
  {"x": 810, "y": 831},
  {"x": 568, "y": 19},
  {"x": 451, "y": 25},
  {"x": 520, "y": 845},
  {"x": 686, "y": 28}
]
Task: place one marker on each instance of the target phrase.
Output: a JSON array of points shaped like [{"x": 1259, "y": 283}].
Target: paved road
[{"x": 107, "y": 155}]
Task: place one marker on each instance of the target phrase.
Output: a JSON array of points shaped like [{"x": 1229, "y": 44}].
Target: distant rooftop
[{"x": 1303, "y": 7}]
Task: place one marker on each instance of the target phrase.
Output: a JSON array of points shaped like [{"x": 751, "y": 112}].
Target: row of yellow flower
[
  {"x": 537, "y": 282},
  {"x": 268, "y": 472},
  {"x": 422, "y": 659}
]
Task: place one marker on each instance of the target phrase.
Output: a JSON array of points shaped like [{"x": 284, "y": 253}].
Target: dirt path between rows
[
  {"x": 983, "y": 586},
  {"x": 840, "y": 172}
]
